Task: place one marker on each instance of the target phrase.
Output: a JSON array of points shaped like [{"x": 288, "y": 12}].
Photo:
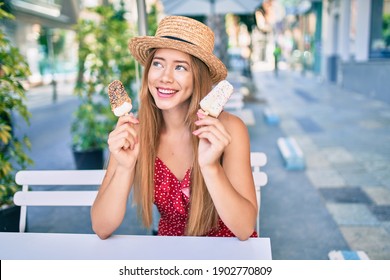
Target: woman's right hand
[{"x": 123, "y": 141}]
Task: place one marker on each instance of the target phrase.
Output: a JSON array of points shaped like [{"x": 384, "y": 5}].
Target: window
[{"x": 380, "y": 29}]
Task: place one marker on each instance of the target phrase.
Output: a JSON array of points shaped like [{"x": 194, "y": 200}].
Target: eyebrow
[{"x": 175, "y": 61}]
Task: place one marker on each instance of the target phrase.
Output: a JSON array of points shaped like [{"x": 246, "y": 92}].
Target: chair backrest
[
  {"x": 28, "y": 178},
  {"x": 260, "y": 179}
]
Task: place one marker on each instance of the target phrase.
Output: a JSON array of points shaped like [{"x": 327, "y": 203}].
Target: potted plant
[
  {"x": 13, "y": 71},
  {"x": 103, "y": 57}
]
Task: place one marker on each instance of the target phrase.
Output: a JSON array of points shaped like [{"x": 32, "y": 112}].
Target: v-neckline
[{"x": 170, "y": 171}]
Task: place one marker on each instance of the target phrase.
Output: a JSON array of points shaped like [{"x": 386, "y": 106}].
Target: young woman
[{"x": 194, "y": 167}]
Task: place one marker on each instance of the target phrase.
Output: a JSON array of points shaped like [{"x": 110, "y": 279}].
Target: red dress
[{"x": 171, "y": 197}]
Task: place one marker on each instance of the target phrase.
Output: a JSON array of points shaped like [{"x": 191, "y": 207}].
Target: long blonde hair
[{"x": 202, "y": 214}]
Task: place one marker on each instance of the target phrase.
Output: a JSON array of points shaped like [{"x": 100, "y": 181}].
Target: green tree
[
  {"x": 103, "y": 57},
  {"x": 13, "y": 71},
  {"x": 58, "y": 40},
  {"x": 386, "y": 29}
]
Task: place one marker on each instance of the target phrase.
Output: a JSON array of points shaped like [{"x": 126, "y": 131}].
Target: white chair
[
  {"x": 260, "y": 179},
  {"x": 28, "y": 178}
]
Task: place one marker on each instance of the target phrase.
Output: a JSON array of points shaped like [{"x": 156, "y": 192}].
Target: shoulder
[
  {"x": 237, "y": 130},
  {"x": 236, "y": 156},
  {"x": 232, "y": 123}
]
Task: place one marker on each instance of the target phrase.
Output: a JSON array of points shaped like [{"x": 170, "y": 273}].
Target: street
[{"x": 49, "y": 131}]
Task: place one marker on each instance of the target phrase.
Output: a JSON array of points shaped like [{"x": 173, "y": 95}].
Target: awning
[{"x": 209, "y": 7}]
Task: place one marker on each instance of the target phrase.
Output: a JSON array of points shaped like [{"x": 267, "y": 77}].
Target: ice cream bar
[
  {"x": 214, "y": 101},
  {"x": 119, "y": 99}
]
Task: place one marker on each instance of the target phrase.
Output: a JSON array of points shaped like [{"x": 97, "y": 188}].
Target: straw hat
[{"x": 183, "y": 34}]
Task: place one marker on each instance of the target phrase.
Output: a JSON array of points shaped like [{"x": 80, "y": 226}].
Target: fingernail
[{"x": 200, "y": 115}]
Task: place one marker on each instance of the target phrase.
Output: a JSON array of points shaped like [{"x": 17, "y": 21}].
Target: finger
[
  {"x": 128, "y": 136},
  {"x": 210, "y": 121},
  {"x": 130, "y": 118},
  {"x": 121, "y": 145},
  {"x": 213, "y": 140},
  {"x": 126, "y": 127},
  {"x": 126, "y": 145},
  {"x": 125, "y": 139},
  {"x": 115, "y": 146},
  {"x": 201, "y": 114},
  {"x": 219, "y": 136}
]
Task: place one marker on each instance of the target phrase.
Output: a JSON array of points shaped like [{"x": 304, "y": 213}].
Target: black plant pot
[
  {"x": 93, "y": 159},
  {"x": 9, "y": 219}
]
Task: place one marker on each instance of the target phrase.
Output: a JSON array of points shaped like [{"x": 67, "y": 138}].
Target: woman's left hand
[{"x": 214, "y": 138}]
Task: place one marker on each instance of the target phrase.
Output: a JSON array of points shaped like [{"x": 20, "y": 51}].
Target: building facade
[
  {"x": 31, "y": 17},
  {"x": 356, "y": 45}
]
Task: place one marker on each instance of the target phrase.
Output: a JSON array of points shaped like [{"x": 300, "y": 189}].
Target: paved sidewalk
[
  {"x": 42, "y": 96},
  {"x": 341, "y": 201}
]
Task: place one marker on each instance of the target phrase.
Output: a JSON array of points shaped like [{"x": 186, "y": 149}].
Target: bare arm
[
  {"x": 231, "y": 186},
  {"x": 109, "y": 208}
]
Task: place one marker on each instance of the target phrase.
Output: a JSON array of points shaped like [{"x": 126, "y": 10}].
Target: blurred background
[
  {"x": 346, "y": 42},
  {"x": 316, "y": 71}
]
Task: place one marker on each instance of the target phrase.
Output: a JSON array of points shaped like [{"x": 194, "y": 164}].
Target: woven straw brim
[{"x": 141, "y": 46}]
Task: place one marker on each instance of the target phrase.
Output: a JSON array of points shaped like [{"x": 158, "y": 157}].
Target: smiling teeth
[{"x": 166, "y": 91}]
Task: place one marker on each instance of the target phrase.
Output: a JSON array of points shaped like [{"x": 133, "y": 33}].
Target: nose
[{"x": 167, "y": 75}]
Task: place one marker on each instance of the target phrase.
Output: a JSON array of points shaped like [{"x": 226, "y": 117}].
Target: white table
[{"x": 47, "y": 246}]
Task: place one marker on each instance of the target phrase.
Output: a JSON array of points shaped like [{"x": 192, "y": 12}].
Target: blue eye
[
  {"x": 181, "y": 68},
  {"x": 156, "y": 63}
]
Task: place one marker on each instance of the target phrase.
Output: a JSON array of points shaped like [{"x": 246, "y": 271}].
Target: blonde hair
[{"x": 202, "y": 214}]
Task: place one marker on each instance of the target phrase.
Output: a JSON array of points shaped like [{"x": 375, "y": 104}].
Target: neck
[{"x": 174, "y": 120}]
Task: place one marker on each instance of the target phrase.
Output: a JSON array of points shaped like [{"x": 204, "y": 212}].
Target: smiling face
[{"x": 170, "y": 79}]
